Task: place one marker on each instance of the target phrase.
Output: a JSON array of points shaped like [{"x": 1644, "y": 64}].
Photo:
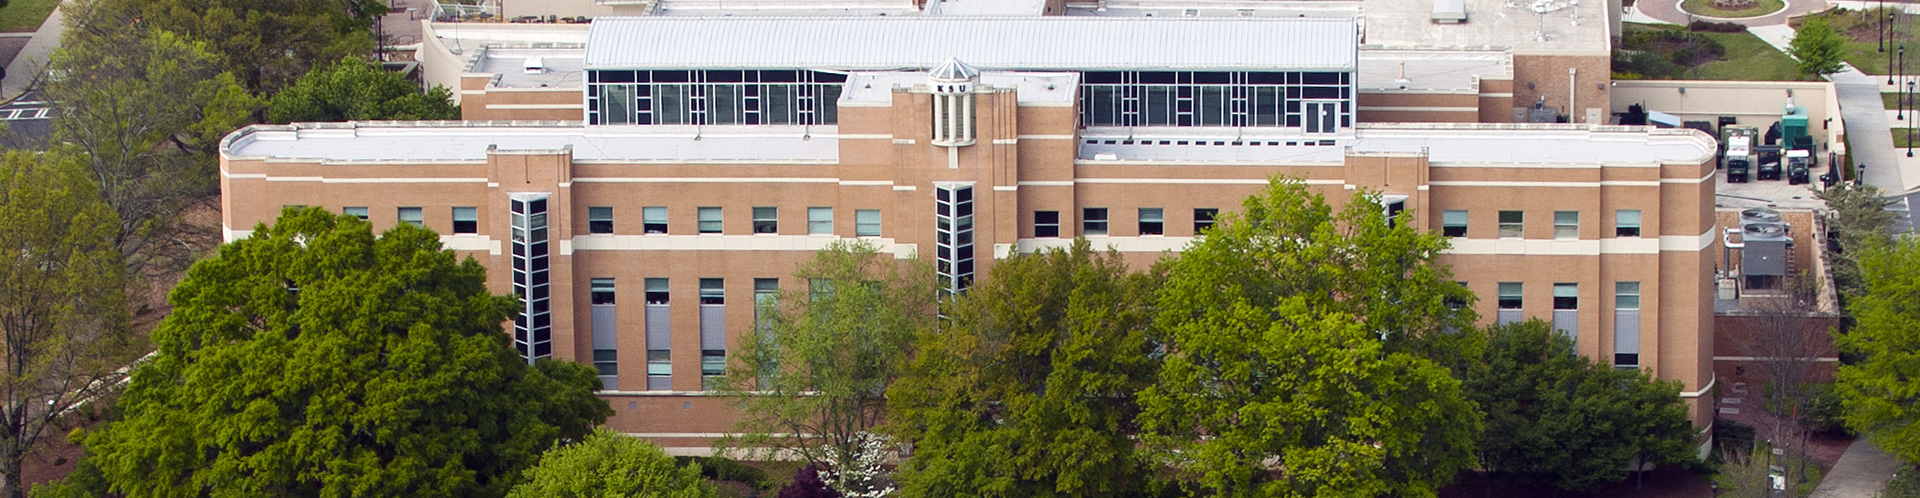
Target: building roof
[
  {"x": 1432, "y": 70},
  {"x": 1029, "y": 43},
  {"x": 561, "y": 67},
  {"x": 1443, "y": 143},
  {"x": 876, "y": 87},
  {"x": 1510, "y": 24},
  {"x": 448, "y": 141}
]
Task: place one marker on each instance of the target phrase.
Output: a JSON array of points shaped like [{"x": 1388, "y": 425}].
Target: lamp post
[
  {"x": 1903, "y": 47},
  {"x": 1909, "y": 128},
  {"x": 1900, "y": 53}
]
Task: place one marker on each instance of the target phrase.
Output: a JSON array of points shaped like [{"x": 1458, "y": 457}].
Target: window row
[
  {"x": 1510, "y": 301},
  {"x": 466, "y": 219},
  {"x": 659, "y": 324},
  {"x": 1513, "y": 224},
  {"x": 1321, "y": 101},
  {"x": 711, "y": 220},
  {"x": 1094, "y": 221}
]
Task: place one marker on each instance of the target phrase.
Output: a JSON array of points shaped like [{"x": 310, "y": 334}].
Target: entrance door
[{"x": 1322, "y": 116}]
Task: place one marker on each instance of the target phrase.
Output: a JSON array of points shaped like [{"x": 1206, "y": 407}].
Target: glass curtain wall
[
  {"x": 763, "y": 97},
  {"x": 1228, "y": 99}
]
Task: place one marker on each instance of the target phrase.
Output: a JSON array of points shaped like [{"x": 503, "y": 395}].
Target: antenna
[
  {"x": 1540, "y": 9},
  {"x": 1576, "y": 11}
]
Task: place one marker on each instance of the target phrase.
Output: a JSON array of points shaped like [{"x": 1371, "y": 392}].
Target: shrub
[
  {"x": 727, "y": 469},
  {"x": 1717, "y": 27},
  {"x": 807, "y": 484}
]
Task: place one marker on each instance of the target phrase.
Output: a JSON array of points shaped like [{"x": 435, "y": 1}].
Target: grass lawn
[
  {"x": 25, "y": 15},
  {"x": 1706, "y": 8},
  {"x": 1860, "y": 29},
  {"x": 1900, "y": 137},
  {"x": 1743, "y": 56}
]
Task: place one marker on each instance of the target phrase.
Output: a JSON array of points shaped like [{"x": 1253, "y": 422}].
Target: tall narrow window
[
  {"x": 820, "y": 221},
  {"x": 1566, "y": 224},
  {"x": 1626, "y": 324},
  {"x": 766, "y": 220},
  {"x": 1203, "y": 219},
  {"x": 713, "y": 331},
  {"x": 710, "y": 220},
  {"x": 1153, "y": 221},
  {"x": 866, "y": 222},
  {"x": 1513, "y": 224},
  {"x": 533, "y": 328},
  {"x": 653, "y": 219},
  {"x": 355, "y": 211},
  {"x": 766, "y": 293},
  {"x": 411, "y": 216},
  {"x": 1566, "y": 309},
  {"x": 1453, "y": 223},
  {"x": 599, "y": 219},
  {"x": 953, "y": 237},
  {"x": 659, "y": 336},
  {"x": 1509, "y": 303},
  {"x": 606, "y": 352},
  {"x": 1626, "y": 223},
  {"x": 466, "y": 220},
  {"x": 1093, "y": 221},
  {"x": 1046, "y": 224}
]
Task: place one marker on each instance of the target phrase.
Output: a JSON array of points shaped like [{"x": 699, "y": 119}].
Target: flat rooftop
[
  {"x": 1029, "y": 88},
  {"x": 1512, "y": 24},
  {"x": 1443, "y": 143},
  {"x": 562, "y": 67},
  {"x": 446, "y": 141},
  {"x": 1217, "y": 8},
  {"x": 1007, "y": 43},
  {"x": 1433, "y": 70},
  {"x": 449, "y": 141}
]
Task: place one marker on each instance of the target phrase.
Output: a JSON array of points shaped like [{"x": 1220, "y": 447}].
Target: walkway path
[
  {"x": 32, "y": 61},
  {"x": 1862, "y": 472},
  {"x": 1866, "y": 118}
]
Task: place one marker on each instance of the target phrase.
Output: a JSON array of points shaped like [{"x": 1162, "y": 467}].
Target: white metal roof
[{"x": 1029, "y": 43}]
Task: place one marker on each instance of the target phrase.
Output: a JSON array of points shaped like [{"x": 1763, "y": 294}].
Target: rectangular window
[
  {"x": 599, "y": 219},
  {"x": 1566, "y": 224},
  {"x": 1510, "y": 295},
  {"x": 657, "y": 291},
  {"x": 355, "y": 211},
  {"x": 602, "y": 290},
  {"x": 1453, "y": 223},
  {"x": 1093, "y": 221},
  {"x": 1203, "y": 219},
  {"x": 653, "y": 219},
  {"x": 820, "y": 220},
  {"x": 765, "y": 220},
  {"x": 1626, "y": 324},
  {"x": 766, "y": 291},
  {"x": 866, "y": 222},
  {"x": 713, "y": 368},
  {"x": 953, "y": 236},
  {"x": 713, "y": 291},
  {"x": 1046, "y": 224},
  {"x": 1566, "y": 296},
  {"x": 410, "y": 215},
  {"x": 1513, "y": 224},
  {"x": 1626, "y": 295},
  {"x": 1153, "y": 221},
  {"x": 466, "y": 220},
  {"x": 710, "y": 220},
  {"x": 1626, "y": 223},
  {"x": 659, "y": 362},
  {"x": 607, "y": 362}
]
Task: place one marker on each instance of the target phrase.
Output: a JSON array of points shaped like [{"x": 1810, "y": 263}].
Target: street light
[
  {"x": 1890, "y": 61},
  {"x": 1909, "y": 128}
]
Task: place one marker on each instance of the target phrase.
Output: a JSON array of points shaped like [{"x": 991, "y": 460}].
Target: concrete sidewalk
[
  {"x": 1862, "y": 472},
  {"x": 1867, "y": 128},
  {"x": 32, "y": 61}
]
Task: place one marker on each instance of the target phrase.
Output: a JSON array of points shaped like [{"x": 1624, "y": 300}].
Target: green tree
[
  {"x": 145, "y": 110},
  {"x": 63, "y": 309},
  {"x": 1861, "y": 218},
  {"x": 1818, "y": 48},
  {"x": 1881, "y": 392},
  {"x": 812, "y": 380},
  {"x": 315, "y": 359},
  {"x": 1298, "y": 354},
  {"x": 1559, "y": 419},
  {"x": 1027, "y": 389},
  {"x": 353, "y": 89},
  {"x": 611, "y": 465},
  {"x": 265, "y": 43}
]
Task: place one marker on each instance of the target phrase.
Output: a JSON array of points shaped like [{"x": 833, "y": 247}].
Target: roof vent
[
  {"x": 534, "y": 65},
  {"x": 1449, "y": 11}
]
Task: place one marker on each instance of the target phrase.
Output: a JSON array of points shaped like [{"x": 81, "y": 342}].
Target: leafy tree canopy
[
  {"x": 1557, "y": 418},
  {"x": 1818, "y": 47},
  {"x": 611, "y": 465},
  {"x": 1027, "y": 389},
  {"x": 315, "y": 359},
  {"x": 812, "y": 380},
  {"x": 1881, "y": 393},
  {"x": 353, "y": 89},
  {"x": 1298, "y": 355},
  {"x": 266, "y": 43}
]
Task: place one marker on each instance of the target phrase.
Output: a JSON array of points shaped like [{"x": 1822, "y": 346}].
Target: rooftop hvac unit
[
  {"x": 1766, "y": 249},
  {"x": 1449, "y": 11},
  {"x": 1759, "y": 215}
]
